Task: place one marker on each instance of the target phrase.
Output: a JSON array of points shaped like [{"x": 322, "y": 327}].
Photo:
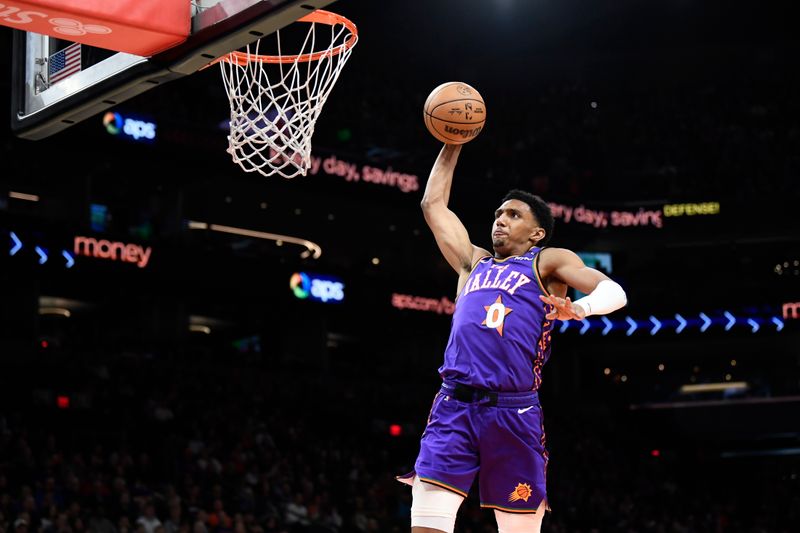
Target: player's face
[{"x": 515, "y": 229}]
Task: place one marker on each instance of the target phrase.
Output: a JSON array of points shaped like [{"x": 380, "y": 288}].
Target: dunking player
[{"x": 487, "y": 417}]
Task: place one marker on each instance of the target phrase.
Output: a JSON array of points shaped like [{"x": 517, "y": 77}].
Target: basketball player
[{"x": 487, "y": 417}]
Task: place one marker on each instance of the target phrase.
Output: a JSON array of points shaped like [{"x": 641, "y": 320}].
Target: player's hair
[{"x": 540, "y": 209}]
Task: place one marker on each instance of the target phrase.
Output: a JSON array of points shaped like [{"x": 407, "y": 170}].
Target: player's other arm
[
  {"x": 449, "y": 232},
  {"x": 603, "y": 294}
]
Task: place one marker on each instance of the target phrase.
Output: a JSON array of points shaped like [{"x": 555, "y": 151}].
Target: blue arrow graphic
[
  {"x": 706, "y": 322},
  {"x": 69, "y": 258},
  {"x": 42, "y": 255},
  {"x": 681, "y": 323},
  {"x": 17, "y": 243},
  {"x": 608, "y": 324},
  {"x": 656, "y": 325},
  {"x": 731, "y": 320},
  {"x": 633, "y": 325}
]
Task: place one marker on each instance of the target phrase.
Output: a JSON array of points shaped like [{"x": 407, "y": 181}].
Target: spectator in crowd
[{"x": 149, "y": 520}]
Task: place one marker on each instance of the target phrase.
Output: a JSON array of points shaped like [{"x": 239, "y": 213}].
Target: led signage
[
  {"x": 420, "y": 303},
  {"x": 320, "y": 288},
  {"x": 114, "y": 251},
  {"x": 138, "y": 130},
  {"x": 679, "y": 210}
]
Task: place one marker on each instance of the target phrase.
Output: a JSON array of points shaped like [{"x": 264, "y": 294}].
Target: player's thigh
[
  {"x": 433, "y": 508},
  {"x": 514, "y": 485},
  {"x": 449, "y": 455},
  {"x": 520, "y": 522}
]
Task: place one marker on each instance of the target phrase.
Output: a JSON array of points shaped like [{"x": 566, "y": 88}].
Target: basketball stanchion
[{"x": 276, "y": 99}]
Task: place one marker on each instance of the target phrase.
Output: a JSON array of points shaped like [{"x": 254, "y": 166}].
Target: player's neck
[{"x": 512, "y": 253}]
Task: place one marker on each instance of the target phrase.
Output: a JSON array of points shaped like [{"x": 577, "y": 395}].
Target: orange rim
[{"x": 320, "y": 16}]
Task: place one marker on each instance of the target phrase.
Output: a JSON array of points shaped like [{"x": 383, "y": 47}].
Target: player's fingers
[{"x": 552, "y": 300}]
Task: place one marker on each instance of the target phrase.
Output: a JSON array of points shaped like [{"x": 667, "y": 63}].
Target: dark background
[{"x": 292, "y": 399}]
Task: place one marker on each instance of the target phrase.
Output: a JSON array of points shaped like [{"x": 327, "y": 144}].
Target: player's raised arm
[
  {"x": 450, "y": 233},
  {"x": 564, "y": 267}
]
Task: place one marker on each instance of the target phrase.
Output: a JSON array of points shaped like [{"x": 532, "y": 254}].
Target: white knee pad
[
  {"x": 433, "y": 506},
  {"x": 520, "y": 522}
]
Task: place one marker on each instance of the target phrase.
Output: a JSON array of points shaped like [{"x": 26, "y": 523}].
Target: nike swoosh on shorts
[{"x": 520, "y": 411}]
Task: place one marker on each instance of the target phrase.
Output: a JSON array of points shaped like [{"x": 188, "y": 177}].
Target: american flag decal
[{"x": 64, "y": 63}]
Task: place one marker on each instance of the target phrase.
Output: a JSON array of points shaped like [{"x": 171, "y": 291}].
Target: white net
[{"x": 276, "y": 100}]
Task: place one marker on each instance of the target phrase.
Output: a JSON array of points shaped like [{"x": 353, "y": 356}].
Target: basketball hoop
[{"x": 276, "y": 99}]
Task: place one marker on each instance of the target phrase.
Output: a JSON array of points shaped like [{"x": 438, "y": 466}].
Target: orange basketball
[{"x": 454, "y": 113}]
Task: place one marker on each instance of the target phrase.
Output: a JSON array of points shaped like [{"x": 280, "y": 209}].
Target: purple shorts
[{"x": 499, "y": 434}]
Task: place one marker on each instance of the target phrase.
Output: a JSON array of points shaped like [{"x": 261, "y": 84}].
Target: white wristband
[{"x": 607, "y": 297}]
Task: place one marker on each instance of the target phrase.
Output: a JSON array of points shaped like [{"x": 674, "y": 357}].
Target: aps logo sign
[
  {"x": 138, "y": 130},
  {"x": 316, "y": 287}
]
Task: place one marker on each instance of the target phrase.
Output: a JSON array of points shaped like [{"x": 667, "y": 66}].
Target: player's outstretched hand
[{"x": 563, "y": 309}]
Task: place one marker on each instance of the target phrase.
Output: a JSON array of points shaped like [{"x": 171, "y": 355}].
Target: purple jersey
[{"x": 500, "y": 338}]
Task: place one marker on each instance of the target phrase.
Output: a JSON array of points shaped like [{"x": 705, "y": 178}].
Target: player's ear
[{"x": 537, "y": 235}]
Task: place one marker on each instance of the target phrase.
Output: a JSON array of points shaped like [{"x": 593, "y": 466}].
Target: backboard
[{"x": 44, "y": 102}]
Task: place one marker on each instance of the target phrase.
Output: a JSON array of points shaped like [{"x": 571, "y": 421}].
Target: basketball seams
[
  {"x": 429, "y": 123},
  {"x": 440, "y": 104},
  {"x": 452, "y": 121},
  {"x": 436, "y": 91},
  {"x": 443, "y": 134},
  {"x": 432, "y": 111}
]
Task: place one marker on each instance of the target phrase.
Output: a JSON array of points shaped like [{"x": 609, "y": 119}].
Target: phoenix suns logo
[{"x": 521, "y": 492}]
